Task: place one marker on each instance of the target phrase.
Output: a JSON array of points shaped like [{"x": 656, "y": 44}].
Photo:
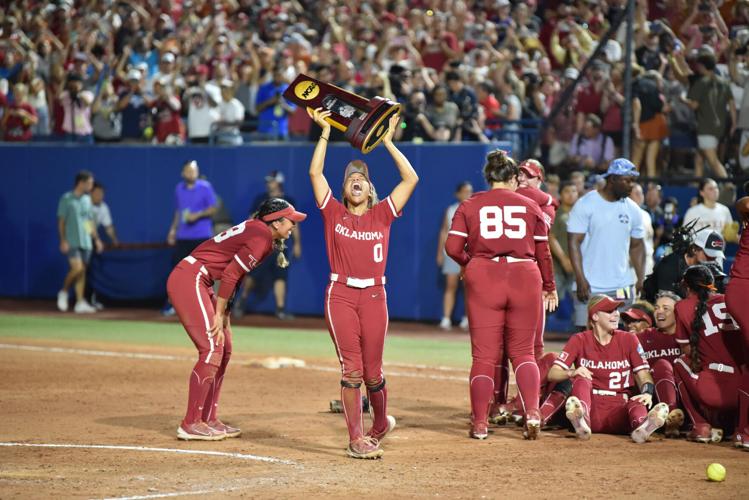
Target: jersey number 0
[{"x": 496, "y": 222}]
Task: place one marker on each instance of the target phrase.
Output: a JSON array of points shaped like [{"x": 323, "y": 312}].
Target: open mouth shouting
[{"x": 356, "y": 188}]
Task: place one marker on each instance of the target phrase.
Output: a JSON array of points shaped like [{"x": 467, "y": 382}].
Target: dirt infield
[{"x": 78, "y": 395}]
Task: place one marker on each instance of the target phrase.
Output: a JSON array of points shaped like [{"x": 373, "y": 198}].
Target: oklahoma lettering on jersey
[
  {"x": 357, "y": 244},
  {"x": 500, "y": 222},
  {"x": 238, "y": 250},
  {"x": 720, "y": 338},
  {"x": 613, "y": 365},
  {"x": 658, "y": 345}
]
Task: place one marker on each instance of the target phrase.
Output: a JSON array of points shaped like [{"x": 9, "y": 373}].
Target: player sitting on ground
[{"x": 608, "y": 362}]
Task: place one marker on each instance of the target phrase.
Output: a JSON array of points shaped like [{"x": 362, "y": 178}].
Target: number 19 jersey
[
  {"x": 357, "y": 244},
  {"x": 500, "y": 222}
]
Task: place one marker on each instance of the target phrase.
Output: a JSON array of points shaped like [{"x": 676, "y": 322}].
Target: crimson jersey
[
  {"x": 720, "y": 339},
  {"x": 740, "y": 268},
  {"x": 238, "y": 250},
  {"x": 612, "y": 365},
  {"x": 545, "y": 201},
  {"x": 357, "y": 244},
  {"x": 501, "y": 222},
  {"x": 658, "y": 345}
]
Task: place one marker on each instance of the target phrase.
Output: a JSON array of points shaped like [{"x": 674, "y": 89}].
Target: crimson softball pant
[
  {"x": 737, "y": 293},
  {"x": 665, "y": 383},
  {"x": 357, "y": 320},
  {"x": 503, "y": 302},
  {"x": 191, "y": 293},
  {"x": 708, "y": 391},
  {"x": 608, "y": 414}
]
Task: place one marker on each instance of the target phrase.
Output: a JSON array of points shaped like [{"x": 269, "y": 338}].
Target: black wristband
[{"x": 647, "y": 388}]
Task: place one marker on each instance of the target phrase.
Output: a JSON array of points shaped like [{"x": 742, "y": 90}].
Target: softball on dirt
[{"x": 716, "y": 472}]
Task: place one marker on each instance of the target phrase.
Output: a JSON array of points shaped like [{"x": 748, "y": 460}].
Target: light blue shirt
[{"x": 608, "y": 227}]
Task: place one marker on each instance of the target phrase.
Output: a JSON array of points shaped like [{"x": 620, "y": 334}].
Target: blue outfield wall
[{"x": 140, "y": 185}]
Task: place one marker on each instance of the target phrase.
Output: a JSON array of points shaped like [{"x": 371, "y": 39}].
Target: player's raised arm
[
  {"x": 320, "y": 186},
  {"x": 409, "y": 178}
]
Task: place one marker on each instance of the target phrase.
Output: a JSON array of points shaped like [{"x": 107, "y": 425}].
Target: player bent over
[
  {"x": 712, "y": 375},
  {"x": 226, "y": 257},
  {"x": 357, "y": 232},
  {"x": 608, "y": 362},
  {"x": 501, "y": 239}
]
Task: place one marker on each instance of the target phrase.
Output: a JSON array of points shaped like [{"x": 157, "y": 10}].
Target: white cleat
[
  {"x": 62, "y": 300},
  {"x": 575, "y": 412},
  {"x": 83, "y": 307},
  {"x": 446, "y": 324},
  {"x": 199, "y": 432},
  {"x": 656, "y": 418}
]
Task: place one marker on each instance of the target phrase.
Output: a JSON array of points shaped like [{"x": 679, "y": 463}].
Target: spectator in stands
[
  {"x": 450, "y": 269},
  {"x": 38, "y": 100},
  {"x": 708, "y": 211},
  {"x": 165, "y": 108},
  {"x": 269, "y": 273},
  {"x": 76, "y": 105},
  {"x": 443, "y": 115},
  {"x": 195, "y": 204},
  {"x": 107, "y": 121},
  {"x": 564, "y": 124},
  {"x": 465, "y": 98},
  {"x": 77, "y": 240},
  {"x": 415, "y": 121},
  {"x": 591, "y": 149},
  {"x": 231, "y": 115},
  {"x": 601, "y": 250},
  {"x": 611, "y": 108},
  {"x": 711, "y": 98},
  {"x": 590, "y": 94},
  {"x": 20, "y": 117},
  {"x": 201, "y": 99},
  {"x": 167, "y": 75},
  {"x": 564, "y": 274},
  {"x": 649, "y": 120},
  {"x": 133, "y": 104},
  {"x": 273, "y": 110},
  {"x": 570, "y": 43}
]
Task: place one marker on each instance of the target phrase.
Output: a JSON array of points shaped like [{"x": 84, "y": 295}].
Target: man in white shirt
[
  {"x": 709, "y": 212},
  {"x": 231, "y": 115},
  {"x": 639, "y": 198},
  {"x": 201, "y": 99}
]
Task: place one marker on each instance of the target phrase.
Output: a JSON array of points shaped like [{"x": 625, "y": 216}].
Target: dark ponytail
[
  {"x": 499, "y": 167},
  {"x": 699, "y": 280},
  {"x": 269, "y": 206}
]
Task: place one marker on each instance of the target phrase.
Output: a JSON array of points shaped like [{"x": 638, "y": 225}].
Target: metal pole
[{"x": 627, "y": 108}]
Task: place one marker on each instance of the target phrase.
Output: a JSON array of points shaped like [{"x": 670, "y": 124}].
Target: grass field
[{"x": 276, "y": 341}]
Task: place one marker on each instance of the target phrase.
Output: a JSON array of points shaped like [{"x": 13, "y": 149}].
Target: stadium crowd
[{"x": 172, "y": 72}]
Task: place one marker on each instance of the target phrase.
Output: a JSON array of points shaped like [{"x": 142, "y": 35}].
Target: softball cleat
[
  {"x": 701, "y": 433},
  {"x": 655, "y": 420},
  {"x": 199, "y": 432},
  {"x": 365, "y": 447},
  {"x": 575, "y": 412},
  {"x": 479, "y": 431},
  {"x": 219, "y": 426},
  {"x": 741, "y": 441},
  {"x": 380, "y": 435},
  {"x": 532, "y": 428}
]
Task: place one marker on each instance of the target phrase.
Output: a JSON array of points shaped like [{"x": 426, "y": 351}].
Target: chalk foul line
[{"x": 239, "y": 456}]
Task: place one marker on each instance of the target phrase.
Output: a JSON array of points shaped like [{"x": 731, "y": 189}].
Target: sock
[
  {"x": 351, "y": 400},
  {"x": 210, "y": 409},
  {"x": 665, "y": 385},
  {"x": 482, "y": 390},
  {"x": 551, "y": 406},
  {"x": 527, "y": 379},
  {"x": 637, "y": 412},
  {"x": 378, "y": 399},
  {"x": 201, "y": 380}
]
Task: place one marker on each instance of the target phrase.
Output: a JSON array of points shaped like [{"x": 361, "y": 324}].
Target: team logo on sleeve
[
  {"x": 252, "y": 260},
  {"x": 640, "y": 350},
  {"x": 563, "y": 356}
]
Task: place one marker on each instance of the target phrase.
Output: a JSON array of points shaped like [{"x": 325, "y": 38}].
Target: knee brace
[
  {"x": 350, "y": 385},
  {"x": 377, "y": 387}
]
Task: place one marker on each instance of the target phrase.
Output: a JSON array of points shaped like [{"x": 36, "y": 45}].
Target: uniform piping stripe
[
  {"x": 392, "y": 206},
  {"x": 458, "y": 233},
  {"x": 641, "y": 367},
  {"x": 561, "y": 363},
  {"x": 332, "y": 327},
  {"x": 541, "y": 238},
  {"x": 236, "y": 257},
  {"x": 682, "y": 341},
  {"x": 205, "y": 317},
  {"x": 326, "y": 199},
  {"x": 686, "y": 367}
]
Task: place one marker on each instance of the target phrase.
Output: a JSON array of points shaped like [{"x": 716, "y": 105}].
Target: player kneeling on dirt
[{"x": 608, "y": 362}]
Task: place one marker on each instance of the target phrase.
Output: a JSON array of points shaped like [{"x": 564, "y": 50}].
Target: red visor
[
  {"x": 607, "y": 305},
  {"x": 636, "y": 314},
  {"x": 287, "y": 213},
  {"x": 532, "y": 169}
]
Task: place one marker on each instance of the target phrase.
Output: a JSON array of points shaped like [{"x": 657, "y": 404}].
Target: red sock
[
  {"x": 379, "y": 401},
  {"x": 527, "y": 378},
  {"x": 500, "y": 382},
  {"x": 351, "y": 400},
  {"x": 637, "y": 412},
  {"x": 551, "y": 405},
  {"x": 201, "y": 379},
  {"x": 210, "y": 409},
  {"x": 665, "y": 385},
  {"x": 482, "y": 390}
]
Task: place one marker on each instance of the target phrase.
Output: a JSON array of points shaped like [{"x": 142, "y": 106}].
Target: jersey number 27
[{"x": 496, "y": 222}]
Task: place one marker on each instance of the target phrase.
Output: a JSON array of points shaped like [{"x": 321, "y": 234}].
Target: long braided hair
[
  {"x": 270, "y": 206},
  {"x": 698, "y": 280}
]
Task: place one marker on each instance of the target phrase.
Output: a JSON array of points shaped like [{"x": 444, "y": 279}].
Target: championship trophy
[{"x": 363, "y": 121}]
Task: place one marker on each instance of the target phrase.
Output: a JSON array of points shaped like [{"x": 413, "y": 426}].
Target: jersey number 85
[{"x": 496, "y": 222}]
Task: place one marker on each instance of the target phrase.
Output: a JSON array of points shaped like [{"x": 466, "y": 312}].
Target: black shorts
[
  {"x": 269, "y": 271},
  {"x": 183, "y": 248}
]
